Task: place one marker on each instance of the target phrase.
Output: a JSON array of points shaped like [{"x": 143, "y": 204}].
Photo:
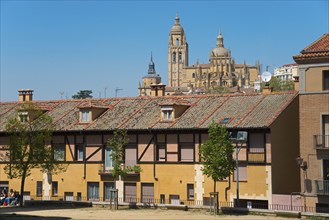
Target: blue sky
[{"x": 66, "y": 46}]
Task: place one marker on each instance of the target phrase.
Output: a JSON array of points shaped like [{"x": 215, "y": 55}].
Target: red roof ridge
[{"x": 324, "y": 37}]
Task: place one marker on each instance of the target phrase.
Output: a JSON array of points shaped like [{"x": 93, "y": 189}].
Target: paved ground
[{"x": 16, "y": 213}]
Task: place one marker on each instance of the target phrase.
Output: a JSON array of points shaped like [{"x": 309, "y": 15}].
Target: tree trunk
[
  {"x": 22, "y": 186},
  {"x": 215, "y": 198}
]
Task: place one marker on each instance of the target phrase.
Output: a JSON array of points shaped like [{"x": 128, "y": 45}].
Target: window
[
  {"x": 325, "y": 131},
  {"x": 59, "y": 152},
  {"x": 54, "y": 188},
  {"x": 4, "y": 185},
  {"x": 190, "y": 191},
  {"x": 108, "y": 186},
  {"x": 167, "y": 114},
  {"x": 225, "y": 121},
  {"x": 187, "y": 153},
  {"x": 108, "y": 159},
  {"x": 174, "y": 199},
  {"x": 180, "y": 57},
  {"x": 147, "y": 192},
  {"x": 193, "y": 75},
  {"x": 130, "y": 192},
  {"x": 161, "y": 155},
  {"x": 39, "y": 188},
  {"x": 326, "y": 80},
  {"x": 162, "y": 199},
  {"x": 174, "y": 57},
  {"x": 130, "y": 156},
  {"x": 68, "y": 196},
  {"x": 79, "y": 152},
  {"x": 93, "y": 190},
  {"x": 242, "y": 172},
  {"x": 23, "y": 116},
  {"x": 177, "y": 41},
  {"x": 85, "y": 115}
]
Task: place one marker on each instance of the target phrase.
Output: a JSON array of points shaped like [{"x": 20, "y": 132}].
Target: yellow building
[
  {"x": 220, "y": 71},
  {"x": 165, "y": 134}
]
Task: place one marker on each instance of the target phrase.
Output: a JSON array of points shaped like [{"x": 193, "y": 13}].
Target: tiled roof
[
  {"x": 239, "y": 111},
  {"x": 321, "y": 44},
  {"x": 318, "y": 51}
]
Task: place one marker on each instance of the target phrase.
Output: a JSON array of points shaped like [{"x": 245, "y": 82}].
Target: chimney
[
  {"x": 267, "y": 90},
  {"x": 158, "y": 89},
  {"x": 25, "y": 95},
  {"x": 296, "y": 83}
]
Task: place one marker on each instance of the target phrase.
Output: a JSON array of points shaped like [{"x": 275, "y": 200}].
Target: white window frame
[
  {"x": 167, "y": 113},
  {"x": 85, "y": 115}
]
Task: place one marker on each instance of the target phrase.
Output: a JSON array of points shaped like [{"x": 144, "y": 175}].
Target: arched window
[
  {"x": 174, "y": 57},
  {"x": 180, "y": 57},
  {"x": 193, "y": 75},
  {"x": 177, "y": 41}
]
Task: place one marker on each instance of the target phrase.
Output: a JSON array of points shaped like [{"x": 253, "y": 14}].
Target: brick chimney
[
  {"x": 267, "y": 90},
  {"x": 158, "y": 89},
  {"x": 25, "y": 95}
]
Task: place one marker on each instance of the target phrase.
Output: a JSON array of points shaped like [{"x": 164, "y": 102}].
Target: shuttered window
[
  {"x": 39, "y": 188},
  {"x": 130, "y": 192},
  {"x": 161, "y": 153},
  {"x": 147, "y": 192},
  {"x": 186, "y": 153},
  {"x": 256, "y": 142},
  {"x": 130, "y": 156}
]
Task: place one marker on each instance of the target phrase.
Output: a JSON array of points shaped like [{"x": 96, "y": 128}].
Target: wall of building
[
  {"x": 284, "y": 148},
  {"x": 314, "y": 79}
]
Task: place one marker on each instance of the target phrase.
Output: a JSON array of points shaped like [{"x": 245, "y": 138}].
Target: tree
[
  {"x": 83, "y": 94},
  {"x": 280, "y": 85},
  {"x": 30, "y": 132},
  {"x": 218, "y": 90},
  {"x": 117, "y": 144},
  {"x": 216, "y": 155}
]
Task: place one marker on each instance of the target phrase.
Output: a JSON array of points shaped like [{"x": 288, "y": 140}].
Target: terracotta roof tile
[{"x": 243, "y": 111}]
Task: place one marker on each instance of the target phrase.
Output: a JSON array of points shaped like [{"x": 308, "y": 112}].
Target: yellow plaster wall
[{"x": 314, "y": 79}]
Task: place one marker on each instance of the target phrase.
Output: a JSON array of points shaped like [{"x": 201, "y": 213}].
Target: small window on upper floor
[
  {"x": 23, "y": 116},
  {"x": 174, "y": 57},
  {"x": 326, "y": 80},
  {"x": 225, "y": 121},
  {"x": 59, "y": 152},
  {"x": 167, "y": 114},
  {"x": 180, "y": 57},
  {"x": 85, "y": 115},
  {"x": 177, "y": 41},
  {"x": 193, "y": 75}
]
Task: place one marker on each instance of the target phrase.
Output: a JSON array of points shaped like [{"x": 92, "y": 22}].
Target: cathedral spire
[{"x": 151, "y": 66}]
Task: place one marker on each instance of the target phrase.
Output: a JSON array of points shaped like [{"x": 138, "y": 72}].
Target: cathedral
[{"x": 221, "y": 71}]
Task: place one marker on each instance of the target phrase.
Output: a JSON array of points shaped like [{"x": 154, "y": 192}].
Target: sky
[{"x": 60, "y": 47}]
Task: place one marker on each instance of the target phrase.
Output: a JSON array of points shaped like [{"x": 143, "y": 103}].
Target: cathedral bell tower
[{"x": 177, "y": 54}]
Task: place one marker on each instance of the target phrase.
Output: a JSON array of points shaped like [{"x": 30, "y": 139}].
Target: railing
[
  {"x": 256, "y": 155},
  {"x": 321, "y": 141},
  {"x": 205, "y": 203},
  {"x": 322, "y": 187},
  {"x": 102, "y": 170}
]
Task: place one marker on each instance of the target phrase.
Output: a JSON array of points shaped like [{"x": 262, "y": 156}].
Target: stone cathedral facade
[{"x": 220, "y": 71}]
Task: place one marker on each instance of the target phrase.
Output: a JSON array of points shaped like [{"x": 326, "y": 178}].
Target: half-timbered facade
[{"x": 165, "y": 134}]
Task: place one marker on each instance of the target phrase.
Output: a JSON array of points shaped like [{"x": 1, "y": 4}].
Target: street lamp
[{"x": 239, "y": 137}]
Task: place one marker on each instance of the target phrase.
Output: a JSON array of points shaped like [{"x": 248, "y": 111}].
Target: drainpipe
[
  {"x": 228, "y": 187},
  {"x": 154, "y": 156}
]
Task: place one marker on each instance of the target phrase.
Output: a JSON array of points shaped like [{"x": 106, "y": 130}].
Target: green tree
[
  {"x": 30, "y": 133},
  {"x": 218, "y": 90},
  {"x": 280, "y": 85},
  {"x": 83, "y": 94},
  {"x": 117, "y": 144},
  {"x": 216, "y": 154}
]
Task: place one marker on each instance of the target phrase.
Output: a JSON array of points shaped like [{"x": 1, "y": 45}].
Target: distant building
[
  {"x": 286, "y": 72},
  {"x": 313, "y": 64},
  {"x": 151, "y": 83},
  {"x": 220, "y": 71}
]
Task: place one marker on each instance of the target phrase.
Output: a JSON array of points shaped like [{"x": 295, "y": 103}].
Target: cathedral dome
[
  {"x": 219, "y": 51},
  {"x": 177, "y": 27}
]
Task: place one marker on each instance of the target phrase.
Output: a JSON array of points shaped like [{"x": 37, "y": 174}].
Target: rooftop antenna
[
  {"x": 105, "y": 91},
  {"x": 62, "y": 93},
  {"x": 116, "y": 91}
]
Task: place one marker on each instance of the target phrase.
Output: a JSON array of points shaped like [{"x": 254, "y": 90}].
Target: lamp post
[
  {"x": 303, "y": 165},
  {"x": 238, "y": 137}
]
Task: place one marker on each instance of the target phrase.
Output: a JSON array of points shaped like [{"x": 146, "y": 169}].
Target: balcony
[
  {"x": 321, "y": 142},
  {"x": 104, "y": 170},
  {"x": 321, "y": 187}
]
